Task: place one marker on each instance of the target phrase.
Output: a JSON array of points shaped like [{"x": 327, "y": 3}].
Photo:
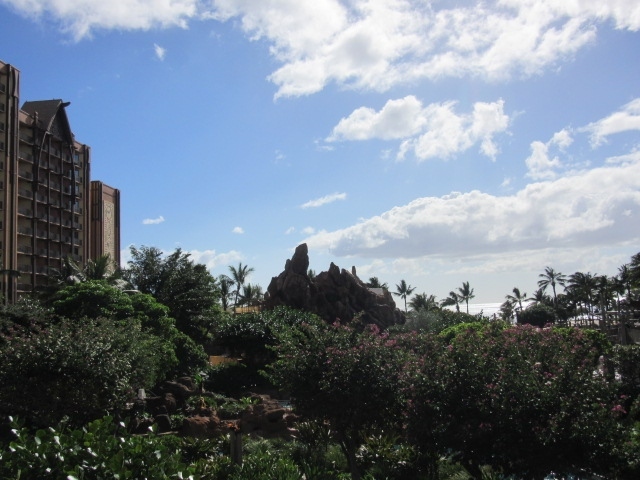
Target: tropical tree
[
  {"x": 224, "y": 287},
  {"x": 423, "y": 302},
  {"x": 516, "y": 298},
  {"x": 582, "y": 287},
  {"x": 506, "y": 311},
  {"x": 70, "y": 272},
  {"x": 452, "y": 299},
  {"x": 187, "y": 288},
  {"x": 466, "y": 293},
  {"x": 540, "y": 297},
  {"x": 239, "y": 276},
  {"x": 403, "y": 290},
  {"x": 553, "y": 278},
  {"x": 374, "y": 282},
  {"x": 251, "y": 294}
]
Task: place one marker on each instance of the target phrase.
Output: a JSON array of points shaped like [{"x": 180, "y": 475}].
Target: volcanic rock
[{"x": 334, "y": 295}]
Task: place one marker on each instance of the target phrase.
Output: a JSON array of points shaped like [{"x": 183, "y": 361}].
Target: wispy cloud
[
  {"x": 625, "y": 119},
  {"x": 318, "y": 202},
  {"x": 153, "y": 221},
  {"x": 238, "y": 230},
  {"x": 160, "y": 52}
]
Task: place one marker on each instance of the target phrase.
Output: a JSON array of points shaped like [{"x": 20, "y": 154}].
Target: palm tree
[
  {"x": 465, "y": 293},
  {"x": 375, "y": 283},
  {"x": 224, "y": 286},
  {"x": 251, "y": 294},
  {"x": 582, "y": 286},
  {"x": 553, "y": 278},
  {"x": 68, "y": 274},
  {"x": 452, "y": 299},
  {"x": 517, "y": 297},
  {"x": 103, "y": 268},
  {"x": 506, "y": 310},
  {"x": 403, "y": 290},
  {"x": 239, "y": 276},
  {"x": 606, "y": 288},
  {"x": 539, "y": 297},
  {"x": 421, "y": 302}
]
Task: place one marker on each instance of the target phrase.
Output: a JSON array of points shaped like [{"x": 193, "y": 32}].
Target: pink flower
[{"x": 619, "y": 409}]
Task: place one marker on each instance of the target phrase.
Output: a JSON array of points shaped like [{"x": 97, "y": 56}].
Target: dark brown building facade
[{"x": 45, "y": 193}]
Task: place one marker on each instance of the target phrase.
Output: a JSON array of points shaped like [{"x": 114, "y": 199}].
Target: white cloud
[
  {"x": 153, "y": 221},
  {"x": 582, "y": 209},
  {"x": 213, "y": 259},
  {"x": 539, "y": 164},
  {"x": 238, "y": 230},
  {"x": 375, "y": 45},
  {"x": 318, "y": 202},
  {"x": 290, "y": 230},
  {"x": 160, "y": 52},
  {"x": 308, "y": 230},
  {"x": 434, "y": 131},
  {"x": 369, "y": 44},
  {"x": 81, "y": 17},
  {"x": 398, "y": 119},
  {"x": 626, "y": 119}
]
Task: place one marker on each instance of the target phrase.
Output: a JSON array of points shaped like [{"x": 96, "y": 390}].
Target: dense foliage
[
  {"x": 350, "y": 379},
  {"x": 524, "y": 399},
  {"x": 187, "y": 288},
  {"x": 76, "y": 369}
]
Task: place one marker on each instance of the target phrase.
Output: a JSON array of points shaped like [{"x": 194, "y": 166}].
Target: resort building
[{"x": 47, "y": 207}]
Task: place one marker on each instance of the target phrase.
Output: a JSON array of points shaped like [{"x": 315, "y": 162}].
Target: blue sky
[{"x": 436, "y": 142}]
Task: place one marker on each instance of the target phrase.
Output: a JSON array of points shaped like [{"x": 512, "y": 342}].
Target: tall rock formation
[{"x": 332, "y": 295}]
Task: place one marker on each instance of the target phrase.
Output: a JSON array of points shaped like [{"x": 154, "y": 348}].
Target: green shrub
[
  {"x": 76, "y": 369},
  {"x": 100, "y": 450},
  {"x": 537, "y": 315}
]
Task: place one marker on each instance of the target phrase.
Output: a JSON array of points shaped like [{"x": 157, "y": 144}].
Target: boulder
[
  {"x": 267, "y": 418},
  {"x": 200, "y": 426},
  {"x": 334, "y": 295}
]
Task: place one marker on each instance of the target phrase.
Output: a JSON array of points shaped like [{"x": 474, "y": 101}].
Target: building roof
[{"x": 48, "y": 111}]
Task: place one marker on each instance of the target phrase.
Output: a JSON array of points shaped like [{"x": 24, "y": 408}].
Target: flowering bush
[
  {"x": 523, "y": 399},
  {"x": 350, "y": 379}
]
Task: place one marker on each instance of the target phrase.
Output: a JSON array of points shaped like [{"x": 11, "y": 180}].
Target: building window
[
  {"x": 1, "y": 107},
  {"x": 1, "y": 126},
  {"x": 3, "y": 88},
  {"x": 1, "y": 146}
]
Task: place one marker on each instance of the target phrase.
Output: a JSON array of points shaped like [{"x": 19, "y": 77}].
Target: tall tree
[
  {"x": 224, "y": 286},
  {"x": 251, "y": 294},
  {"x": 582, "y": 288},
  {"x": 403, "y": 290},
  {"x": 239, "y": 276},
  {"x": 187, "y": 288},
  {"x": 452, "y": 299},
  {"x": 423, "y": 302},
  {"x": 540, "y": 297},
  {"x": 553, "y": 278},
  {"x": 517, "y": 297},
  {"x": 466, "y": 293}
]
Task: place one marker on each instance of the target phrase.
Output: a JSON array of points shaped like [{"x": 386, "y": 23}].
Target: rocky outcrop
[
  {"x": 267, "y": 418},
  {"x": 334, "y": 295}
]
